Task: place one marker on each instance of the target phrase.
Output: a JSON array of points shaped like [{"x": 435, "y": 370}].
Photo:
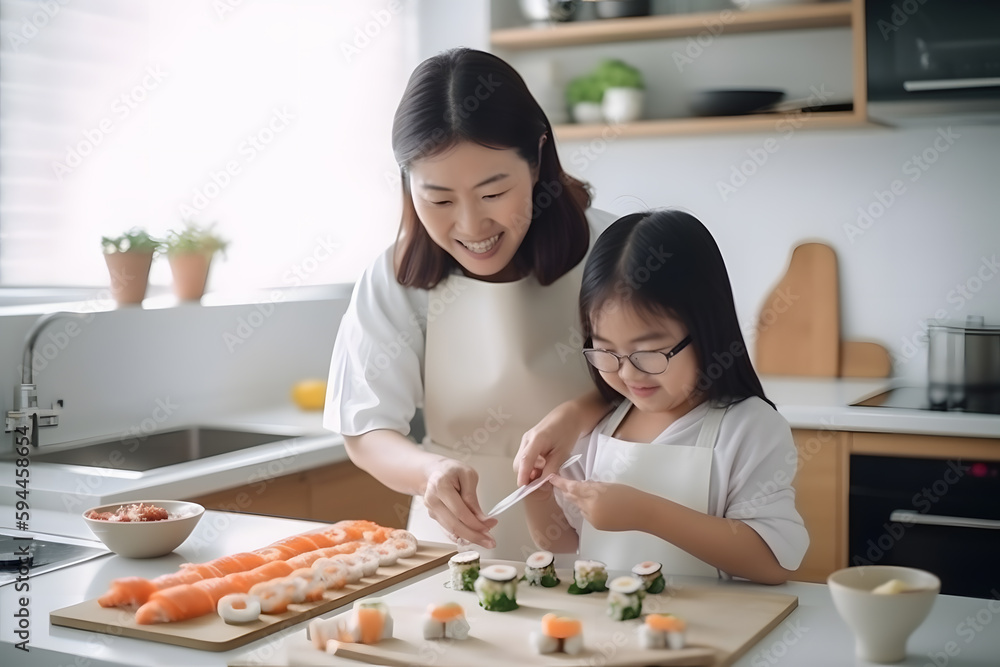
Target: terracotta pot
[
  {"x": 129, "y": 274},
  {"x": 190, "y": 270}
]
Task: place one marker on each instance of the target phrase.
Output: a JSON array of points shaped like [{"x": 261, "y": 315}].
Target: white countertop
[
  {"x": 825, "y": 403},
  {"x": 77, "y": 488},
  {"x": 813, "y": 635}
]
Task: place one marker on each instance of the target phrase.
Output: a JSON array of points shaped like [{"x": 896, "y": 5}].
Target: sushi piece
[
  {"x": 464, "y": 569},
  {"x": 446, "y": 621},
  {"x": 274, "y": 595},
  {"x": 368, "y": 623},
  {"x": 497, "y": 588},
  {"x": 560, "y": 634},
  {"x": 540, "y": 569},
  {"x": 662, "y": 631},
  {"x": 625, "y": 598},
  {"x": 238, "y": 608},
  {"x": 651, "y": 574},
  {"x": 589, "y": 576}
]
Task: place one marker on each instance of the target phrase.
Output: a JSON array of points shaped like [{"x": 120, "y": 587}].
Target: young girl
[
  {"x": 694, "y": 467},
  {"x": 468, "y": 313}
]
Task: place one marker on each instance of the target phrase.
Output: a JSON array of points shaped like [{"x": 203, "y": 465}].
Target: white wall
[{"x": 942, "y": 232}]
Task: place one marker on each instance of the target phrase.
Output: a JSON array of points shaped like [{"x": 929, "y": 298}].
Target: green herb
[
  {"x": 583, "y": 89},
  {"x": 134, "y": 240},
  {"x": 657, "y": 585},
  {"x": 194, "y": 239},
  {"x": 614, "y": 73},
  {"x": 576, "y": 590},
  {"x": 498, "y": 602},
  {"x": 469, "y": 577},
  {"x": 550, "y": 580}
]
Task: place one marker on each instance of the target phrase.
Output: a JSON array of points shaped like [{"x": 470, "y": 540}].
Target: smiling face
[
  {"x": 475, "y": 203},
  {"x": 619, "y": 328}
]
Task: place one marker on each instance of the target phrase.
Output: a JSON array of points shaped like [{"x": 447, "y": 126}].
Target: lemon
[{"x": 309, "y": 394}]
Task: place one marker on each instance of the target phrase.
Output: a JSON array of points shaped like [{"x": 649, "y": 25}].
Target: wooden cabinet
[
  {"x": 330, "y": 493},
  {"x": 821, "y": 498},
  {"x": 702, "y": 26}
]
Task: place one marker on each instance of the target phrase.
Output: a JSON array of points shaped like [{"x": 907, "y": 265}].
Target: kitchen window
[{"x": 271, "y": 118}]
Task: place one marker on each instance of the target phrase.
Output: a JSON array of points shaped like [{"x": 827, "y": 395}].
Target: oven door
[{"x": 938, "y": 515}]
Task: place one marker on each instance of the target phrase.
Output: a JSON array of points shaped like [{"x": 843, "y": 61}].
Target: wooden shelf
[
  {"x": 778, "y": 123},
  {"x": 793, "y": 17}
]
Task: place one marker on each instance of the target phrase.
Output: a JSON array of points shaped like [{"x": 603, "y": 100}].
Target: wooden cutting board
[
  {"x": 724, "y": 622},
  {"x": 211, "y": 633},
  {"x": 798, "y": 330}
]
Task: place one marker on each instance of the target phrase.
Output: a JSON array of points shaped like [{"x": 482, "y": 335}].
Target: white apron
[
  {"x": 499, "y": 357},
  {"x": 677, "y": 472}
]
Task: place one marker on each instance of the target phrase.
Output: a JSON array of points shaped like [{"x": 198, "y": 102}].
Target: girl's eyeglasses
[{"x": 651, "y": 362}]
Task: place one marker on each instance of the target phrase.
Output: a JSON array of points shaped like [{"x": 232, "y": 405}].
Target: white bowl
[
  {"x": 146, "y": 539},
  {"x": 882, "y": 623}
]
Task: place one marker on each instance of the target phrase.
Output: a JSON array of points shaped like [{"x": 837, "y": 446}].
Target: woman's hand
[
  {"x": 608, "y": 507},
  {"x": 450, "y": 498}
]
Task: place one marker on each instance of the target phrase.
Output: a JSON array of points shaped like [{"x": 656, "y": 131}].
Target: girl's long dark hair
[
  {"x": 468, "y": 95},
  {"x": 667, "y": 263}
]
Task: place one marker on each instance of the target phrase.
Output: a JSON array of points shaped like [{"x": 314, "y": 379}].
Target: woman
[{"x": 472, "y": 312}]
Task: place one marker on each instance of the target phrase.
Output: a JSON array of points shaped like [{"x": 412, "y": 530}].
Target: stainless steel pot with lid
[{"x": 963, "y": 360}]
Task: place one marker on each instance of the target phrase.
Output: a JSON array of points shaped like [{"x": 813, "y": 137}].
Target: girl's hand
[
  {"x": 450, "y": 498},
  {"x": 547, "y": 445},
  {"x": 608, "y": 507}
]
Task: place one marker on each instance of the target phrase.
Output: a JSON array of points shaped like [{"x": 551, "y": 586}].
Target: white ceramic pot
[
  {"x": 622, "y": 105},
  {"x": 588, "y": 112}
]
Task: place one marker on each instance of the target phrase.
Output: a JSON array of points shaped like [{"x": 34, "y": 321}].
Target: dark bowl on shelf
[
  {"x": 733, "y": 102},
  {"x": 615, "y": 9}
]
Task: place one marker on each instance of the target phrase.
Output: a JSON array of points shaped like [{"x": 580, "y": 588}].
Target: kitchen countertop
[
  {"x": 74, "y": 489},
  {"x": 825, "y": 403},
  {"x": 959, "y": 632}
]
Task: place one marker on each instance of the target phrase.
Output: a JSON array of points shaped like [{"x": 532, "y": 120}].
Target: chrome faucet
[{"x": 26, "y": 417}]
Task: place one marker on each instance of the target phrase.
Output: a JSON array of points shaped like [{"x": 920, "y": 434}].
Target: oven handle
[
  {"x": 951, "y": 84},
  {"x": 911, "y": 517}
]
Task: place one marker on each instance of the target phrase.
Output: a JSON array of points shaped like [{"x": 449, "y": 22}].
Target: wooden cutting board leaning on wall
[{"x": 798, "y": 330}]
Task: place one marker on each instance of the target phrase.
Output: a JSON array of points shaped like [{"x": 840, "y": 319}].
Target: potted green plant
[
  {"x": 129, "y": 257},
  {"x": 622, "y": 91},
  {"x": 583, "y": 96},
  {"x": 190, "y": 252}
]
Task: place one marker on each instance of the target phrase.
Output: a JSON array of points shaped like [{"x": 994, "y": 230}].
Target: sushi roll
[
  {"x": 589, "y": 576},
  {"x": 370, "y": 560},
  {"x": 662, "y": 631},
  {"x": 238, "y": 608},
  {"x": 368, "y": 623},
  {"x": 464, "y": 569},
  {"x": 540, "y": 569},
  {"x": 559, "y": 634},
  {"x": 625, "y": 598},
  {"x": 497, "y": 588},
  {"x": 446, "y": 621},
  {"x": 651, "y": 574}
]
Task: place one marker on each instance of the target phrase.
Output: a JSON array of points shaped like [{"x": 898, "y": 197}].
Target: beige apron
[
  {"x": 499, "y": 357},
  {"x": 676, "y": 472}
]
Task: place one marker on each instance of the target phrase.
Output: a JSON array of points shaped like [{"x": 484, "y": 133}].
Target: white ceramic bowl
[
  {"x": 882, "y": 623},
  {"x": 146, "y": 539}
]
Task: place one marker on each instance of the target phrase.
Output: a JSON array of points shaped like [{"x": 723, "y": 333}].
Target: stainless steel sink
[{"x": 156, "y": 450}]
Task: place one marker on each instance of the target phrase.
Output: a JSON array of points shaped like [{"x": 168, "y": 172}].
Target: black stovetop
[
  {"x": 29, "y": 554},
  {"x": 938, "y": 399}
]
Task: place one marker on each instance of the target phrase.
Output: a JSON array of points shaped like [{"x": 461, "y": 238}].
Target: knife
[{"x": 523, "y": 491}]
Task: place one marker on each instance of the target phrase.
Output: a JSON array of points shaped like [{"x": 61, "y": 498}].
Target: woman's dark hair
[
  {"x": 667, "y": 263},
  {"x": 467, "y": 95}
]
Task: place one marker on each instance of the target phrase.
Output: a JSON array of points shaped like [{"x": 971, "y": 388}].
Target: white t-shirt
[
  {"x": 377, "y": 370},
  {"x": 753, "y": 464}
]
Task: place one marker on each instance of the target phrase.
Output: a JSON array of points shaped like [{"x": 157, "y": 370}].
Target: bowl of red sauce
[{"x": 144, "y": 528}]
